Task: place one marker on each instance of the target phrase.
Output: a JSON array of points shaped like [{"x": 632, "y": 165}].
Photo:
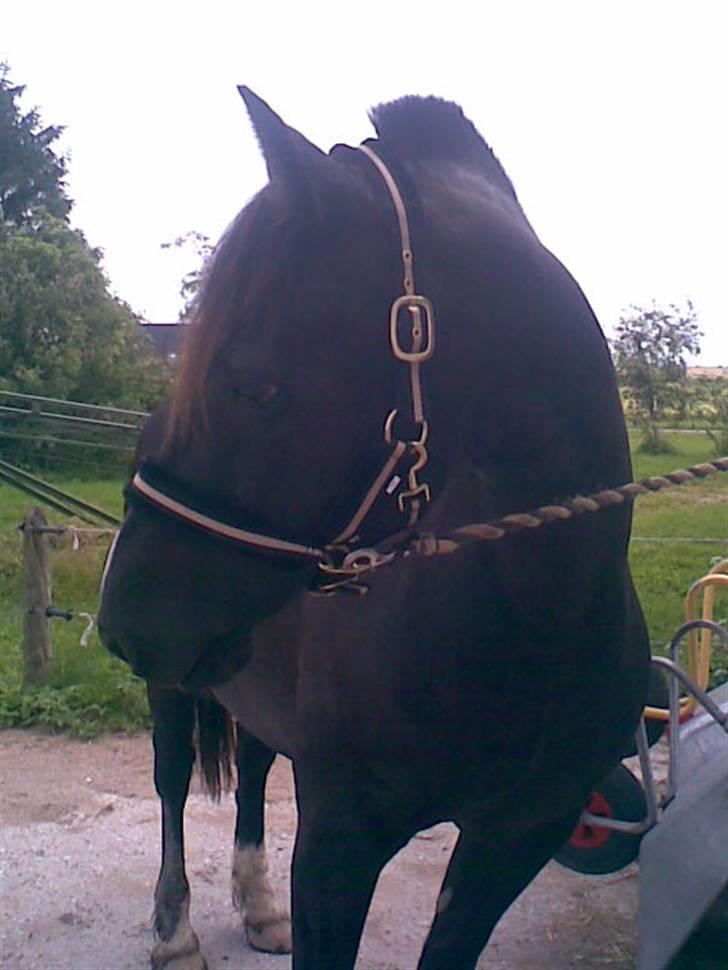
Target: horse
[{"x": 385, "y": 360}]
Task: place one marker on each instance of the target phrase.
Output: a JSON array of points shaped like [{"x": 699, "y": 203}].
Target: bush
[{"x": 655, "y": 445}]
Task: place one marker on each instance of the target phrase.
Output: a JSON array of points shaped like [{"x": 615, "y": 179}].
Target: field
[{"x": 91, "y": 692}]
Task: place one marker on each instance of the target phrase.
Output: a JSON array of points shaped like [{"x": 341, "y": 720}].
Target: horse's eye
[
  {"x": 259, "y": 394},
  {"x": 262, "y": 394}
]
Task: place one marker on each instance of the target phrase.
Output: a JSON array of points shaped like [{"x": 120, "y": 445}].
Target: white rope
[
  {"x": 86, "y": 635},
  {"x": 82, "y": 530},
  {"x": 53, "y": 612}
]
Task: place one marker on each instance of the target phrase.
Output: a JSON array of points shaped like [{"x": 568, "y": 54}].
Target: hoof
[
  {"x": 182, "y": 952},
  {"x": 273, "y": 936},
  {"x": 191, "y": 961},
  {"x": 267, "y": 927}
]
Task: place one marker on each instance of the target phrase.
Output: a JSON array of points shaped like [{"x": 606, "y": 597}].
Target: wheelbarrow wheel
[{"x": 595, "y": 850}]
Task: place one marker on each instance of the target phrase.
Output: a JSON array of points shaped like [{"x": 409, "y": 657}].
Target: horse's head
[{"x": 278, "y": 423}]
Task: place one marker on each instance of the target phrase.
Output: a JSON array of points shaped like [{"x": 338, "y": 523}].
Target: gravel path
[{"x": 80, "y": 851}]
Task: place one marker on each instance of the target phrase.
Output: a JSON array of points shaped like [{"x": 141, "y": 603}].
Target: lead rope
[
  {"x": 363, "y": 561},
  {"x": 426, "y": 544},
  {"x": 422, "y": 337}
]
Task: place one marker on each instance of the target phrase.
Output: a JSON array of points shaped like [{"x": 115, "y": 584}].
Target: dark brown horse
[{"x": 492, "y": 686}]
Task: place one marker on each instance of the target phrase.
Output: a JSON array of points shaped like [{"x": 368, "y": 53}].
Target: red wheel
[
  {"x": 596, "y": 850},
  {"x": 586, "y": 836}
]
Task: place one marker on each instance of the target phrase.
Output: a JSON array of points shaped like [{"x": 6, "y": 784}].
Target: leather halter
[{"x": 337, "y": 560}]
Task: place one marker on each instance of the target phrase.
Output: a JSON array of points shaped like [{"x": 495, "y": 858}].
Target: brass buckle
[{"x": 428, "y": 324}]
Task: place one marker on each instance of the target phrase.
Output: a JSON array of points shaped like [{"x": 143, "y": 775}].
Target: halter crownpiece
[{"x": 422, "y": 336}]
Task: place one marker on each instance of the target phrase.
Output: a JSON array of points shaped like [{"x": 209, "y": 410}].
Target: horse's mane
[
  {"x": 430, "y": 128},
  {"x": 254, "y": 244}
]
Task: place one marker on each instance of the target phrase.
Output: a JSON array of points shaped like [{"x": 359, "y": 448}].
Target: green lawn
[
  {"x": 665, "y": 568},
  {"x": 90, "y": 691}
]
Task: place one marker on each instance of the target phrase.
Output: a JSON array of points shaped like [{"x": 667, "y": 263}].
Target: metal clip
[
  {"x": 404, "y": 497},
  {"x": 366, "y": 560},
  {"x": 389, "y": 430},
  {"x": 340, "y": 586},
  {"x": 355, "y": 563}
]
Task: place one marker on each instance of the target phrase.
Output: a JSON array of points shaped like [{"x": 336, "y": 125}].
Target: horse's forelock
[{"x": 243, "y": 267}]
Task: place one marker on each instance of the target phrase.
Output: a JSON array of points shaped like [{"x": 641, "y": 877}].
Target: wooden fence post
[{"x": 37, "y": 637}]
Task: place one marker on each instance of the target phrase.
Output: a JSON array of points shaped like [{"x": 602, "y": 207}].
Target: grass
[
  {"x": 90, "y": 692},
  {"x": 664, "y": 569}
]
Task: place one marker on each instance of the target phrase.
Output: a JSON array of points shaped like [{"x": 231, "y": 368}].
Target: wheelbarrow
[{"x": 681, "y": 838}]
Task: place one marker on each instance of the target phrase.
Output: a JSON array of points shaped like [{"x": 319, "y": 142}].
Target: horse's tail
[{"x": 215, "y": 742}]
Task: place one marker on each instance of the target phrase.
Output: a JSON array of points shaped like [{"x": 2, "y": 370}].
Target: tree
[
  {"x": 711, "y": 406},
  {"x": 650, "y": 352},
  {"x": 32, "y": 175},
  {"x": 62, "y": 333},
  {"x": 192, "y": 281}
]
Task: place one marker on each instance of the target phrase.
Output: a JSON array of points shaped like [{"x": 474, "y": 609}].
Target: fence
[
  {"x": 53, "y": 496},
  {"x": 38, "y": 608},
  {"x": 67, "y": 431}
]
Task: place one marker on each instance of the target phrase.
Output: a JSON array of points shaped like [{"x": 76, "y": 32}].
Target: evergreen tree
[{"x": 32, "y": 174}]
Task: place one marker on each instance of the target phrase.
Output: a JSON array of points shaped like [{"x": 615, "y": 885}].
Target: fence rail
[
  {"x": 56, "y": 497},
  {"x": 35, "y": 400},
  {"x": 53, "y": 426}
]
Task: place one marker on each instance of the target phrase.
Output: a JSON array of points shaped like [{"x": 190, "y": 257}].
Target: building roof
[
  {"x": 167, "y": 337},
  {"x": 710, "y": 373}
]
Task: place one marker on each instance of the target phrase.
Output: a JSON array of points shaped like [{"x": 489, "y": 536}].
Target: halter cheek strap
[{"x": 422, "y": 345}]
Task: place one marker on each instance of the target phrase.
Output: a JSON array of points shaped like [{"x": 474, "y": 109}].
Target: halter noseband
[{"x": 337, "y": 560}]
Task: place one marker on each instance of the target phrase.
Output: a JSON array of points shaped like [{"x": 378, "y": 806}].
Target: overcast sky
[{"x": 610, "y": 119}]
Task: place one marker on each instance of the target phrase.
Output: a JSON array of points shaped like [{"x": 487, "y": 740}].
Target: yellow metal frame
[{"x": 698, "y": 648}]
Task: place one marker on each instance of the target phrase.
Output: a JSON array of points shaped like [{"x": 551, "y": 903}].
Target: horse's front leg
[
  {"x": 267, "y": 927},
  {"x": 483, "y": 878},
  {"x": 177, "y": 946},
  {"x": 341, "y": 847}
]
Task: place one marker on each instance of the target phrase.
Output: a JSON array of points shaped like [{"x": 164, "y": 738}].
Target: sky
[{"x": 608, "y": 117}]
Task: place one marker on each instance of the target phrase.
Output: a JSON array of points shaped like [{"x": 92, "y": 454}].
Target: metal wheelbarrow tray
[{"x": 684, "y": 856}]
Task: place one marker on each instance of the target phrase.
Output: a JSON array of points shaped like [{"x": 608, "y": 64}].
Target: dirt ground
[{"x": 80, "y": 851}]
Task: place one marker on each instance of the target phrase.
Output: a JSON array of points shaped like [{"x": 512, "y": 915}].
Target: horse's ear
[{"x": 289, "y": 157}]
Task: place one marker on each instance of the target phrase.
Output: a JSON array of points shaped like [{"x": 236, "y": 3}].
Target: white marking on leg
[
  {"x": 182, "y": 950},
  {"x": 267, "y": 926}
]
